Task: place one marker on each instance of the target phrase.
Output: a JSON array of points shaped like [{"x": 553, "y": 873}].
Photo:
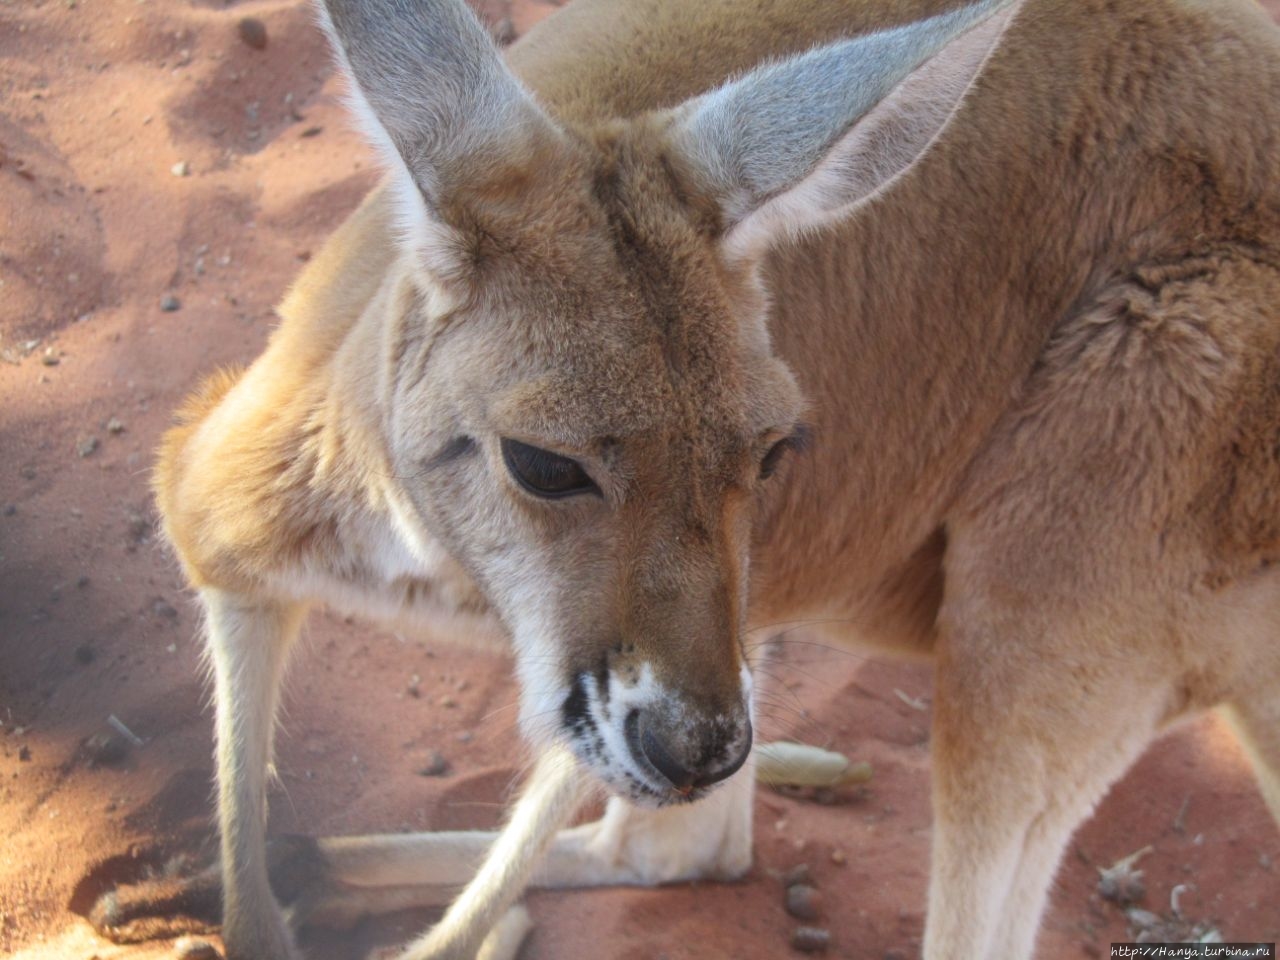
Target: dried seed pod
[{"x": 797, "y": 765}]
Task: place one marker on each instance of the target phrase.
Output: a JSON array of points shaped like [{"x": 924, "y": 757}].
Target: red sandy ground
[{"x": 101, "y": 98}]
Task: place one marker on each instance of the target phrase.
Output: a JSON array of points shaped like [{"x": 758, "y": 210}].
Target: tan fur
[{"x": 1040, "y": 372}]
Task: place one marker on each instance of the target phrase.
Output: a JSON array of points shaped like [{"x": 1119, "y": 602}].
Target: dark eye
[
  {"x": 545, "y": 474},
  {"x": 769, "y": 465},
  {"x": 798, "y": 440}
]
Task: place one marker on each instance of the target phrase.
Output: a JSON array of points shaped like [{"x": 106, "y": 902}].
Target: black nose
[{"x": 711, "y": 765}]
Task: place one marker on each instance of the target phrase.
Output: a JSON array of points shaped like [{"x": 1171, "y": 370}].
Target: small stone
[
  {"x": 114, "y": 425},
  {"x": 811, "y": 939},
  {"x": 24, "y": 753},
  {"x": 86, "y": 446},
  {"x": 162, "y": 608},
  {"x": 82, "y": 581},
  {"x": 798, "y": 874},
  {"x": 464, "y": 736},
  {"x": 838, "y": 857},
  {"x": 10, "y": 509},
  {"x": 106, "y": 749},
  {"x": 253, "y": 32},
  {"x": 193, "y": 948},
  {"x": 85, "y": 654},
  {"x": 169, "y": 303},
  {"x": 181, "y": 169},
  {"x": 139, "y": 527},
  {"x": 803, "y": 901},
  {"x": 49, "y": 358},
  {"x": 448, "y": 702},
  {"x": 436, "y": 766},
  {"x": 311, "y": 132}
]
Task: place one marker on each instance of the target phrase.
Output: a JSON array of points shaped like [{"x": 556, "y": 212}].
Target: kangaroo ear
[
  {"x": 800, "y": 143},
  {"x": 432, "y": 93}
]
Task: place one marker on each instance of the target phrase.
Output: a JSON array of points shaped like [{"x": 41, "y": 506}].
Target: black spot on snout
[{"x": 574, "y": 710}]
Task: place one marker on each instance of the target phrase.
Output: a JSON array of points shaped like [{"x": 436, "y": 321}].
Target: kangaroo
[{"x": 953, "y": 326}]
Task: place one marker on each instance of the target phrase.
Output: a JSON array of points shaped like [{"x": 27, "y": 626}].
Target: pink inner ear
[{"x": 878, "y": 148}]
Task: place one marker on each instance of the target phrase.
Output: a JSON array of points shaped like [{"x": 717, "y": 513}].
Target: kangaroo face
[
  {"x": 582, "y": 401},
  {"x": 588, "y": 432}
]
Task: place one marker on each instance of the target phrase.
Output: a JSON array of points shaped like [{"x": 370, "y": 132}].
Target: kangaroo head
[{"x": 581, "y": 403}]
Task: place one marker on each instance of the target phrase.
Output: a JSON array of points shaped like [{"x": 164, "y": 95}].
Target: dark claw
[
  {"x": 164, "y": 907},
  {"x": 179, "y": 901}
]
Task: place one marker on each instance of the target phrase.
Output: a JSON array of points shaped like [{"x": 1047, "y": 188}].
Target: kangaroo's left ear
[{"x": 801, "y": 143}]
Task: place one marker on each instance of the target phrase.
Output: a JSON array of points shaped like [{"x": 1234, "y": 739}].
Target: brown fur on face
[
  {"x": 1039, "y": 369},
  {"x": 676, "y": 403}
]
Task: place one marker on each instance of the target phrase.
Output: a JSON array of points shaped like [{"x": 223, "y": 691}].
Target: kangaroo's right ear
[{"x": 431, "y": 91}]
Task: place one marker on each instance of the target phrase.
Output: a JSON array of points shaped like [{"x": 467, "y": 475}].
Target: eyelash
[
  {"x": 773, "y": 459},
  {"x": 798, "y": 440},
  {"x": 544, "y": 474}
]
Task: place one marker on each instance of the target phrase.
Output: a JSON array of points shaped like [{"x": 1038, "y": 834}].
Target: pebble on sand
[
  {"x": 436, "y": 766},
  {"x": 253, "y": 32},
  {"x": 811, "y": 939},
  {"x": 803, "y": 901}
]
